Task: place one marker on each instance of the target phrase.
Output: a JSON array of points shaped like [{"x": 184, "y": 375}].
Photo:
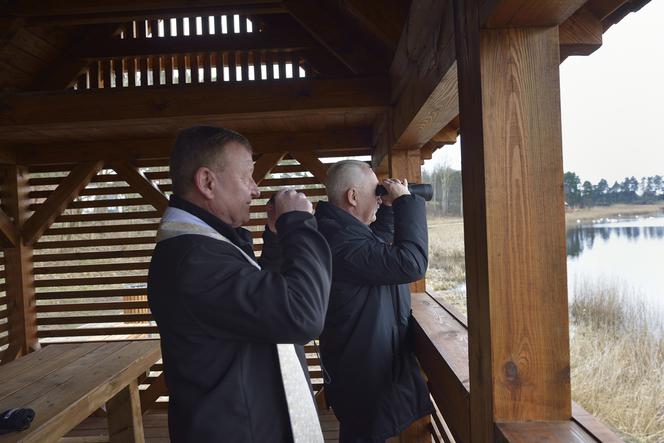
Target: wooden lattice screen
[
  {"x": 152, "y": 65},
  {"x": 4, "y": 326}
]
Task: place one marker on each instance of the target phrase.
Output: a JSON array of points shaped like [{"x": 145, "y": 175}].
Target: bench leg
[{"x": 125, "y": 421}]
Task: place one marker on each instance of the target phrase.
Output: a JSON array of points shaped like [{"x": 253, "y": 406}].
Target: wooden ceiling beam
[
  {"x": 423, "y": 81},
  {"x": 384, "y": 18},
  {"x": 265, "y": 163},
  {"x": 527, "y": 13},
  {"x": 77, "y": 12},
  {"x": 581, "y": 34},
  {"x": 8, "y": 232},
  {"x": 285, "y": 98},
  {"x": 331, "y": 140},
  {"x": 284, "y": 40},
  {"x": 360, "y": 51}
]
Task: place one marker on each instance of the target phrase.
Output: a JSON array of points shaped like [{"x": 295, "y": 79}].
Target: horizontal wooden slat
[
  {"x": 4, "y": 327},
  {"x": 83, "y": 319},
  {"x": 3, "y": 300},
  {"x": 285, "y": 169},
  {"x": 308, "y": 192},
  {"x": 108, "y": 216},
  {"x": 291, "y": 181},
  {"x": 99, "y": 178},
  {"x": 152, "y": 163},
  {"x": 97, "y": 242},
  {"x": 133, "y": 266},
  {"x": 4, "y": 340},
  {"x": 111, "y": 190},
  {"x": 84, "y": 332},
  {"x": 36, "y": 169},
  {"x": 97, "y": 281},
  {"x": 3, "y": 313},
  {"x": 106, "y": 203},
  {"x": 39, "y": 258},
  {"x": 103, "y": 306},
  {"x": 99, "y": 229},
  {"x": 62, "y": 295}
]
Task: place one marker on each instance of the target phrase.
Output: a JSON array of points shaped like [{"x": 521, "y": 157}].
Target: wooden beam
[
  {"x": 520, "y": 13},
  {"x": 581, "y": 34},
  {"x": 156, "y": 389},
  {"x": 8, "y": 232},
  {"x": 129, "y": 150},
  {"x": 76, "y": 12},
  {"x": 423, "y": 81},
  {"x": 19, "y": 280},
  {"x": 265, "y": 163},
  {"x": 275, "y": 39},
  {"x": 125, "y": 423},
  {"x": 139, "y": 105},
  {"x": 141, "y": 184},
  {"x": 312, "y": 164},
  {"x": 514, "y": 221},
  {"x": 359, "y": 51},
  {"x": 384, "y": 18},
  {"x": 59, "y": 199}
]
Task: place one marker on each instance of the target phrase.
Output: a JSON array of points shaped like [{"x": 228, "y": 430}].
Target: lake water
[{"x": 627, "y": 252}]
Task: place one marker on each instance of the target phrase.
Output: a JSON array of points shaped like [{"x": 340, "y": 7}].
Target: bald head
[{"x": 342, "y": 176}]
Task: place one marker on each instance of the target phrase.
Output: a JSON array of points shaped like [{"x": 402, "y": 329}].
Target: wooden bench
[{"x": 65, "y": 383}]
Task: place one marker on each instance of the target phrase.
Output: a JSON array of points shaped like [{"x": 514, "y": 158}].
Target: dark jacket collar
[
  {"x": 328, "y": 210},
  {"x": 239, "y": 236}
]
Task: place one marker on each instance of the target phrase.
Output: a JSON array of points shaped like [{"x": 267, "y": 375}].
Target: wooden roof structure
[{"x": 93, "y": 93}]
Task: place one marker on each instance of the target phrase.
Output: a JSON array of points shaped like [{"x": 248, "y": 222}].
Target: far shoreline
[{"x": 597, "y": 213}]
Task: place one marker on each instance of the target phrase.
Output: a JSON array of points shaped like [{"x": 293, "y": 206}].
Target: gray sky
[{"x": 612, "y": 103}]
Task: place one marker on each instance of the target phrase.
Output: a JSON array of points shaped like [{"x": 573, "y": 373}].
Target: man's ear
[
  {"x": 204, "y": 182},
  {"x": 351, "y": 196}
]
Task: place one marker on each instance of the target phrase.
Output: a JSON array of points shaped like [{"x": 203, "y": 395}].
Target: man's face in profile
[
  {"x": 235, "y": 186},
  {"x": 367, "y": 200}
]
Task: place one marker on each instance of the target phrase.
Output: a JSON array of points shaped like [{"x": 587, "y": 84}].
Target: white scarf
[{"x": 301, "y": 408}]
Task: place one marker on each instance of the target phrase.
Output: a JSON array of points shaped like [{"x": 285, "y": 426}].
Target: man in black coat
[
  {"x": 373, "y": 382},
  {"x": 228, "y": 327}
]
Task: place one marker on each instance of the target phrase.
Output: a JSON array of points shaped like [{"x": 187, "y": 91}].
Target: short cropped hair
[
  {"x": 196, "y": 147},
  {"x": 342, "y": 176}
]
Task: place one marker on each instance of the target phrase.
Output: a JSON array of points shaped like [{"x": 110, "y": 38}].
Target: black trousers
[{"x": 346, "y": 436}]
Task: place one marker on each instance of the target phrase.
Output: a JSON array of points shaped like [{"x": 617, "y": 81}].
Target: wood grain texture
[
  {"x": 264, "y": 165},
  {"x": 525, "y": 224},
  {"x": 142, "y": 185},
  {"x": 522, "y": 13},
  {"x": 58, "y": 201},
  {"x": 581, "y": 34},
  {"x": 125, "y": 424}
]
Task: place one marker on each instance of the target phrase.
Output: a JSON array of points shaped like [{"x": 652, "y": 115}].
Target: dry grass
[
  {"x": 617, "y": 356},
  {"x": 613, "y": 211},
  {"x": 617, "y": 345}
]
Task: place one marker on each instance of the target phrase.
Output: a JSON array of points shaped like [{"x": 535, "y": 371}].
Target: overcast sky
[{"x": 612, "y": 103}]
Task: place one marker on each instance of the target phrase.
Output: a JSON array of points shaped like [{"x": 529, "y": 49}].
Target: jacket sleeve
[
  {"x": 232, "y": 299},
  {"x": 270, "y": 258},
  {"x": 384, "y": 224},
  {"x": 364, "y": 260}
]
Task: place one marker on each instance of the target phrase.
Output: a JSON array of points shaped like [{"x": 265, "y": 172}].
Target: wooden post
[
  {"x": 20, "y": 287},
  {"x": 125, "y": 423},
  {"x": 407, "y": 164},
  {"x": 514, "y": 223}
]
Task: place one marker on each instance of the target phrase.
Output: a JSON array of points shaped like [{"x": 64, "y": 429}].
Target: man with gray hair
[
  {"x": 232, "y": 327},
  {"x": 373, "y": 381}
]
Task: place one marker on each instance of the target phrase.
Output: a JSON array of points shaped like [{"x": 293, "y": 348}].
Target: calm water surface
[{"x": 627, "y": 252}]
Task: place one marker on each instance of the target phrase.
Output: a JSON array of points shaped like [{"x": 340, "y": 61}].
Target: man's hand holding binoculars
[
  {"x": 395, "y": 189},
  {"x": 286, "y": 200}
]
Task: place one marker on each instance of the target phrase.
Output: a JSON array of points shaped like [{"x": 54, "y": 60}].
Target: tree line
[
  {"x": 630, "y": 190},
  {"x": 447, "y": 191}
]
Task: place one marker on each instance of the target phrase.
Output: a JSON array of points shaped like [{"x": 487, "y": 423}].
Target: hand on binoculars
[
  {"x": 395, "y": 189},
  {"x": 286, "y": 200}
]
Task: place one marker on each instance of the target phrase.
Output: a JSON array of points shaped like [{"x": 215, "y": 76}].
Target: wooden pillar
[
  {"x": 21, "y": 305},
  {"x": 514, "y": 223},
  {"x": 407, "y": 164},
  {"x": 125, "y": 422}
]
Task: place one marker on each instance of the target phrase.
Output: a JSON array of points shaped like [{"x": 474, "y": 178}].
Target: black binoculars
[{"x": 424, "y": 190}]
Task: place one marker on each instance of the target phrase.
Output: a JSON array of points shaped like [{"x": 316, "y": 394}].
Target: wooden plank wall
[
  {"x": 4, "y": 326},
  {"x": 91, "y": 264},
  {"x": 190, "y": 68}
]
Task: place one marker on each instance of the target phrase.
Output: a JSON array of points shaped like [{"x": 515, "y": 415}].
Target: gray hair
[
  {"x": 342, "y": 176},
  {"x": 199, "y": 146}
]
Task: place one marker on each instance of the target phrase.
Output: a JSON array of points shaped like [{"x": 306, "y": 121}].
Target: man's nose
[{"x": 255, "y": 192}]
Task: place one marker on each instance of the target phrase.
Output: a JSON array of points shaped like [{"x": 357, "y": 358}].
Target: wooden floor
[{"x": 155, "y": 425}]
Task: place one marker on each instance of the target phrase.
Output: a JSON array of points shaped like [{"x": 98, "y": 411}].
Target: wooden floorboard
[{"x": 155, "y": 425}]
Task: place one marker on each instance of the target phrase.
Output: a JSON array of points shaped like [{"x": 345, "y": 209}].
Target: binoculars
[{"x": 424, "y": 190}]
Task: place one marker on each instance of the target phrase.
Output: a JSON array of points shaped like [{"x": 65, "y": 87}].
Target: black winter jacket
[
  {"x": 375, "y": 387},
  {"x": 219, "y": 319}
]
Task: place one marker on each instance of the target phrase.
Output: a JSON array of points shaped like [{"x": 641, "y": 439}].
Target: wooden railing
[{"x": 441, "y": 341}]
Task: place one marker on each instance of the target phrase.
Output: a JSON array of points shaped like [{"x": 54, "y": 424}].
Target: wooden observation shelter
[{"x": 93, "y": 92}]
